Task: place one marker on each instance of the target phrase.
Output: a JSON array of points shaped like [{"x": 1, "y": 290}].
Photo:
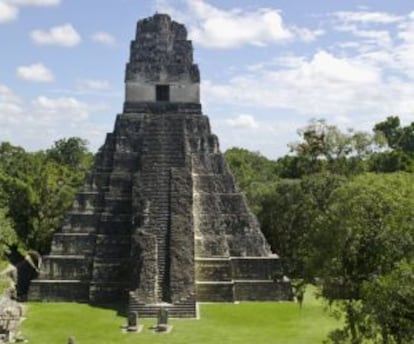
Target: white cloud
[
  {"x": 367, "y": 17},
  {"x": 103, "y": 38},
  {"x": 44, "y": 3},
  {"x": 321, "y": 86},
  {"x": 6, "y": 94},
  {"x": 376, "y": 37},
  {"x": 242, "y": 122},
  {"x": 9, "y": 9},
  {"x": 37, "y": 124},
  {"x": 230, "y": 29},
  {"x": 357, "y": 87},
  {"x": 213, "y": 27},
  {"x": 268, "y": 136},
  {"x": 307, "y": 35},
  {"x": 93, "y": 85},
  {"x": 64, "y": 35},
  {"x": 36, "y": 72},
  {"x": 404, "y": 52},
  {"x": 8, "y": 12},
  {"x": 380, "y": 37},
  {"x": 342, "y": 70},
  {"x": 64, "y": 106},
  {"x": 10, "y": 105}
]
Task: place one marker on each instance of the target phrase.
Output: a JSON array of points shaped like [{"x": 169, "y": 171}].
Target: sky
[{"x": 267, "y": 67}]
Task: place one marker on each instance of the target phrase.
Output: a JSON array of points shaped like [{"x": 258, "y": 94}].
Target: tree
[
  {"x": 295, "y": 167},
  {"x": 389, "y": 301},
  {"x": 397, "y": 137},
  {"x": 38, "y": 190},
  {"x": 8, "y": 236},
  {"x": 391, "y": 130},
  {"x": 18, "y": 197},
  {"x": 390, "y": 161},
  {"x": 287, "y": 214},
  {"x": 325, "y": 147},
  {"x": 366, "y": 229},
  {"x": 72, "y": 152},
  {"x": 250, "y": 167}
]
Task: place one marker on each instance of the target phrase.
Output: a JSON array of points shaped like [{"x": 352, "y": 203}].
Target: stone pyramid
[{"x": 160, "y": 220}]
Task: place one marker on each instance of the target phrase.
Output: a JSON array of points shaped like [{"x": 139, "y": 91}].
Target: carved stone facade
[{"x": 160, "y": 220}]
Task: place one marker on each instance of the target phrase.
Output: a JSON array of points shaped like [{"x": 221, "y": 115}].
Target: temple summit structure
[{"x": 160, "y": 220}]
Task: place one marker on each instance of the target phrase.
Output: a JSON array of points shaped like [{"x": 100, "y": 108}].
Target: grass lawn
[{"x": 247, "y": 323}]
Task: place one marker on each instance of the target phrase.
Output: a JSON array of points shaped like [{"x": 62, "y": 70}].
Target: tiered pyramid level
[{"x": 160, "y": 220}]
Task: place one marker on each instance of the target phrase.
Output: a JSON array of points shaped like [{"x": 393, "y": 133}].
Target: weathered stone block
[
  {"x": 66, "y": 268},
  {"x": 262, "y": 291},
  {"x": 213, "y": 269},
  {"x": 59, "y": 291},
  {"x": 73, "y": 244},
  {"x": 214, "y": 291},
  {"x": 256, "y": 268}
]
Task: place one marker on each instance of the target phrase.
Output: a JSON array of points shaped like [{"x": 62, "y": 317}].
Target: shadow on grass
[{"x": 120, "y": 307}]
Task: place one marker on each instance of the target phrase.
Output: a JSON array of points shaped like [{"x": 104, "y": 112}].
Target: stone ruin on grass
[
  {"x": 160, "y": 220},
  {"x": 11, "y": 313}
]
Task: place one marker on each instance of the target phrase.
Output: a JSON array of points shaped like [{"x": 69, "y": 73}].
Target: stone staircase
[
  {"x": 111, "y": 259},
  {"x": 163, "y": 148},
  {"x": 186, "y": 308}
]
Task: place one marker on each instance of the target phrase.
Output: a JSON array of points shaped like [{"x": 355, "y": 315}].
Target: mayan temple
[{"x": 160, "y": 220}]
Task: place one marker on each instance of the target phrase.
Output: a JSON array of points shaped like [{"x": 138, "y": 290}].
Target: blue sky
[{"x": 267, "y": 67}]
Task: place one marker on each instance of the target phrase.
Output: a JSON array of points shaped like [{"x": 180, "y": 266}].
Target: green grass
[{"x": 247, "y": 323}]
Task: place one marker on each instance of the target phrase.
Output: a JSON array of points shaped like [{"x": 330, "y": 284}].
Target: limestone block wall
[
  {"x": 161, "y": 54},
  {"x": 180, "y": 92},
  {"x": 241, "y": 279},
  {"x": 224, "y": 225},
  {"x": 66, "y": 268},
  {"x": 71, "y": 243},
  {"x": 59, "y": 291},
  {"x": 181, "y": 241}
]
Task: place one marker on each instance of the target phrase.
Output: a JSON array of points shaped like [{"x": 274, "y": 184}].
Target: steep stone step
[
  {"x": 73, "y": 244},
  {"x": 66, "y": 267},
  {"x": 112, "y": 226},
  {"x": 112, "y": 246},
  {"x": 80, "y": 222},
  {"x": 110, "y": 269},
  {"x": 187, "y": 308},
  {"x": 108, "y": 292},
  {"x": 59, "y": 290},
  {"x": 117, "y": 204}
]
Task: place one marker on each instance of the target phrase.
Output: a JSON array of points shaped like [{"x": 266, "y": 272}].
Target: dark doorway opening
[{"x": 162, "y": 93}]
